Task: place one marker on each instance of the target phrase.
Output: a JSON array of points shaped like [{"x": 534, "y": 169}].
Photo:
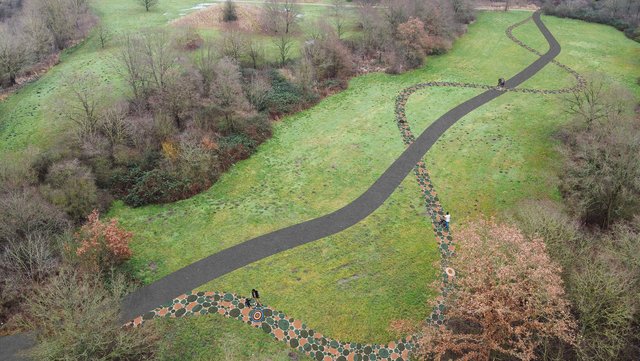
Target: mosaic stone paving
[{"x": 295, "y": 333}]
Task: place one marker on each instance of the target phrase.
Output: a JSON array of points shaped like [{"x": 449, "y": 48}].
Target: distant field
[{"x": 351, "y": 285}]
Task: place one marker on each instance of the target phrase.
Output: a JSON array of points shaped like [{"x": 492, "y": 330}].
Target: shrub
[
  {"x": 229, "y": 12},
  {"x": 283, "y": 97},
  {"x": 24, "y": 264},
  {"x": 71, "y": 186},
  {"x": 414, "y": 41},
  {"x": 31, "y": 259},
  {"x": 546, "y": 220},
  {"x": 330, "y": 58},
  {"x": 602, "y": 175},
  {"x": 508, "y": 299},
  {"x": 101, "y": 246},
  {"x": 257, "y": 128},
  {"x": 24, "y": 212},
  {"x": 154, "y": 186},
  {"x": 604, "y": 303},
  {"x": 77, "y": 318}
]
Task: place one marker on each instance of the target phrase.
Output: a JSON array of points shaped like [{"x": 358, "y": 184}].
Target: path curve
[{"x": 188, "y": 278}]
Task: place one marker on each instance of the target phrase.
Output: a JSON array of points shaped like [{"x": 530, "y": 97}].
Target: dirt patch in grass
[{"x": 211, "y": 17}]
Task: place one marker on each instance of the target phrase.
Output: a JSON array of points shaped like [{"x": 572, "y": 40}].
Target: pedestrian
[
  {"x": 247, "y": 302},
  {"x": 447, "y": 220},
  {"x": 255, "y": 295}
]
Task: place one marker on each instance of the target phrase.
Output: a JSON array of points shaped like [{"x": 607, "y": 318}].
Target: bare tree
[
  {"x": 104, "y": 35},
  {"x": 291, "y": 10},
  {"x": 232, "y": 44},
  {"x": 602, "y": 175},
  {"x": 284, "y": 43},
  {"x": 205, "y": 63},
  {"x": 257, "y": 90},
  {"x": 131, "y": 66},
  {"x": 114, "y": 127},
  {"x": 60, "y": 19},
  {"x": 13, "y": 55},
  {"x": 339, "y": 17},
  {"x": 82, "y": 105},
  {"x": 158, "y": 55},
  {"x": 34, "y": 28},
  {"x": 148, "y": 4},
  {"x": 281, "y": 15},
  {"x": 227, "y": 93},
  {"x": 255, "y": 52},
  {"x": 596, "y": 101}
]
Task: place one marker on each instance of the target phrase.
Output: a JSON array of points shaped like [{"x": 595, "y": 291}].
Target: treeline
[
  {"x": 621, "y": 14},
  {"x": 30, "y": 33}
]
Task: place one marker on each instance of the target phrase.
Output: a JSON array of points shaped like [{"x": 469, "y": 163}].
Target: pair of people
[
  {"x": 501, "y": 82},
  {"x": 255, "y": 295}
]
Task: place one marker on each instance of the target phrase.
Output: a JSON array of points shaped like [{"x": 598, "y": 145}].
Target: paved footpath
[{"x": 190, "y": 277}]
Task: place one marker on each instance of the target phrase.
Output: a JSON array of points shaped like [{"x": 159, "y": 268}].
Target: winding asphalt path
[{"x": 233, "y": 258}]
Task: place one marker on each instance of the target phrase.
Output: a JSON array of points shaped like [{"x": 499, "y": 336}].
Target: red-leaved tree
[
  {"x": 508, "y": 299},
  {"x": 101, "y": 246}
]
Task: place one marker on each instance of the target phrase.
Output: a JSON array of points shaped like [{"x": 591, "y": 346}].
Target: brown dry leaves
[{"x": 509, "y": 298}]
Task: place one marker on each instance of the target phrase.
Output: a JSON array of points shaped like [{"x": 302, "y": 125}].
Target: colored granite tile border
[{"x": 281, "y": 327}]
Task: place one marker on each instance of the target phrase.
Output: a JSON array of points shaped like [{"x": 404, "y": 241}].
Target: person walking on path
[
  {"x": 447, "y": 219},
  {"x": 247, "y": 302},
  {"x": 255, "y": 295}
]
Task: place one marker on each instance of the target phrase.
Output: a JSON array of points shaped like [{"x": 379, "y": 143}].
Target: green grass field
[{"x": 351, "y": 285}]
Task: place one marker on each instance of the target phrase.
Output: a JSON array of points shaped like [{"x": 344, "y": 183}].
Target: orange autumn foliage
[
  {"x": 101, "y": 246},
  {"x": 508, "y": 299}
]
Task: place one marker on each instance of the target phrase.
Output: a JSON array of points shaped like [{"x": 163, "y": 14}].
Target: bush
[
  {"x": 283, "y": 97},
  {"x": 602, "y": 175},
  {"x": 24, "y": 212},
  {"x": 71, "y": 186},
  {"x": 99, "y": 246},
  {"x": 507, "y": 302},
  {"x": 229, "y": 12},
  {"x": 77, "y": 318},
  {"x": 602, "y": 277},
  {"x": 546, "y": 220},
  {"x": 154, "y": 186},
  {"x": 24, "y": 264},
  {"x": 604, "y": 302}
]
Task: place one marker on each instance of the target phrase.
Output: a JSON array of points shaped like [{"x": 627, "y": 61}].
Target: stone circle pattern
[
  {"x": 281, "y": 327},
  {"x": 295, "y": 333}
]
